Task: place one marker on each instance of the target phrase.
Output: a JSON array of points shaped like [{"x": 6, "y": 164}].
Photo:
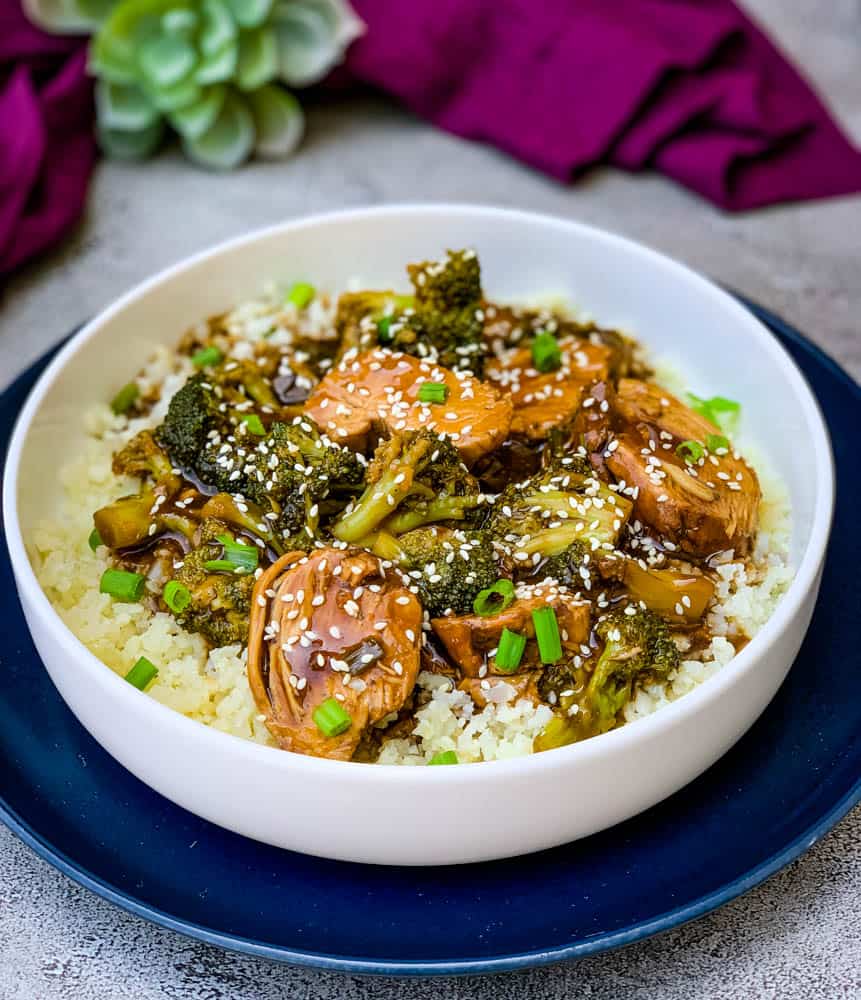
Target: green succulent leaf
[
  {"x": 123, "y": 108},
  {"x": 62, "y": 17},
  {"x": 112, "y": 59},
  {"x": 131, "y": 145},
  {"x": 218, "y": 28},
  {"x": 312, "y": 37},
  {"x": 207, "y": 67},
  {"x": 250, "y": 13},
  {"x": 229, "y": 141},
  {"x": 193, "y": 121},
  {"x": 278, "y": 121},
  {"x": 219, "y": 67},
  {"x": 166, "y": 60},
  {"x": 179, "y": 22},
  {"x": 183, "y": 95},
  {"x": 258, "y": 58}
]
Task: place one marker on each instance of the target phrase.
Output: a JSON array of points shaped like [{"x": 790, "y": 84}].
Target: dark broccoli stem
[{"x": 133, "y": 551}]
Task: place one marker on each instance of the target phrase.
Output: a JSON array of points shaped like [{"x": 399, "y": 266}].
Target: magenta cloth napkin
[
  {"x": 688, "y": 87},
  {"x": 47, "y": 148}
]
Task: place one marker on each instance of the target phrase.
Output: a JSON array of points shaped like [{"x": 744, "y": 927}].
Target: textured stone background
[{"x": 799, "y": 935}]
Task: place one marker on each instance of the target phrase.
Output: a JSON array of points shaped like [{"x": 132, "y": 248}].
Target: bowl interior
[{"x": 716, "y": 344}]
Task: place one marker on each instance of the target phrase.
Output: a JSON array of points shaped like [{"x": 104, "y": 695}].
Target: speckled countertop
[{"x": 797, "y": 936}]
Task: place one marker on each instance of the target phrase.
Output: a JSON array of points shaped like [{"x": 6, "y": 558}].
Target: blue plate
[{"x": 765, "y": 802}]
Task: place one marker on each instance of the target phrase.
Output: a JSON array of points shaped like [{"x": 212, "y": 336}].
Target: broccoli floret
[
  {"x": 447, "y": 320},
  {"x": 562, "y": 515},
  {"x": 366, "y": 319},
  {"x": 213, "y": 434},
  {"x": 572, "y": 567},
  {"x": 636, "y": 645},
  {"x": 194, "y": 427},
  {"x": 441, "y": 322},
  {"x": 220, "y": 601},
  {"x": 414, "y": 479},
  {"x": 142, "y": 457},
  {"x": 131, "y": 519},
  {"x": 291, "y": 478},
  {"x": 449, "y": 567},
  {"x": 305, "y": 460}
]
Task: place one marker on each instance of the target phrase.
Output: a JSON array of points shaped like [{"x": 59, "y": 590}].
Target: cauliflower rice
[{"x": 211, "y": 686}]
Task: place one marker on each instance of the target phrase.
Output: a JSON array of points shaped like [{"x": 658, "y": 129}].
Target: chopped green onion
[
  {"x": 690, "y": 451},
  {"x": 510, "y": 651},
  {"x": 122, "y": 585},
  {"x": 176, "y": 596},
  {"x": 714, "y": 442},
  {"x": 492, "y": 600},
  {"x": 384, "y": 334},
  {"x": 546, "y": 355},
  {"x": 206, "y": 357},
  {"x": 95, "y": 539},
  {"x": 720, "y": 410},
  {"x": 125, "y": 399},
  {"x": 547, "y": 635},
  {"x": 142, "y": 673},
  {"x": 433, "y": 392},
  {"x": 301, "y": 294},
  {"x": 253, "y": 423},
  {"x": 331, "y": 718},
  {"x": 444, "y": 757},
  {"x": 237, "y": 558}
]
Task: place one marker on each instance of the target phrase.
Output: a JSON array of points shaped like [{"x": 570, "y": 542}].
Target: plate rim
[{"x": 355, "y": 965}]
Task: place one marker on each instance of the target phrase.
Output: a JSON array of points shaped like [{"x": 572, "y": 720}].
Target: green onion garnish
[
  {"x": 206, "y": 357},
  {"x": 546, "y": 355},
  {"x": 122, "y": 585},
  {"x": 384, "y": 334},
  {"x": 714, "y": 442},
  {"x": 253, "y": 423},
  {"x": 433, "y": 392},
  {"x": 95, "y": 539},
  {"x": 331, "y": 718},
  {"x": 510, "y": 651},
  {"x": 720, "y": 410},
  {"x": 176, "y": 596},
  {"x": 301, "y": 294},
  {"x": 690, "y": 451},
  {"x": 237, "y": 558},
  {"x": 492, "y": 600},
  {"x": 125, "y": 398},
  {"x": 142, "y": 673},
  {"x": 547, "y": 635},
  {"x": 444, "y": 757}
]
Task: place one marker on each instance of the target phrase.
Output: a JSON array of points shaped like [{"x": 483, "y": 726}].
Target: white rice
[{"x": 212, "y": 688}]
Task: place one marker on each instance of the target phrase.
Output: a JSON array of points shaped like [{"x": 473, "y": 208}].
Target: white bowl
[{"x": 409, "y": 815}]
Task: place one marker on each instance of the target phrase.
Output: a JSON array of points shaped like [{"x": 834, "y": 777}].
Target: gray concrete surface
[{"x": 799, "y": 935}]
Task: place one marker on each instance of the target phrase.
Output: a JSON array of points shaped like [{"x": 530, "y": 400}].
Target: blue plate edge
[{"x": 443, "y": 967}]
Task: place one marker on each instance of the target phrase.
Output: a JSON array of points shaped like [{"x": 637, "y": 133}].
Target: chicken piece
[
  {"x": 372, "y": 395},
  {"x": 506, "y": 327},
  {"x": 544, "y": 400},
  {"x": 470, "y": 639},
  {"x": 481, "y": 690},
  {"x": 331, "y": 624},
  {"x": 702, "y": 506}
]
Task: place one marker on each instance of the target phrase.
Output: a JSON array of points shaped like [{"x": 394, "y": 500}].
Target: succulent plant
[{"x": 212, "y": 70}]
